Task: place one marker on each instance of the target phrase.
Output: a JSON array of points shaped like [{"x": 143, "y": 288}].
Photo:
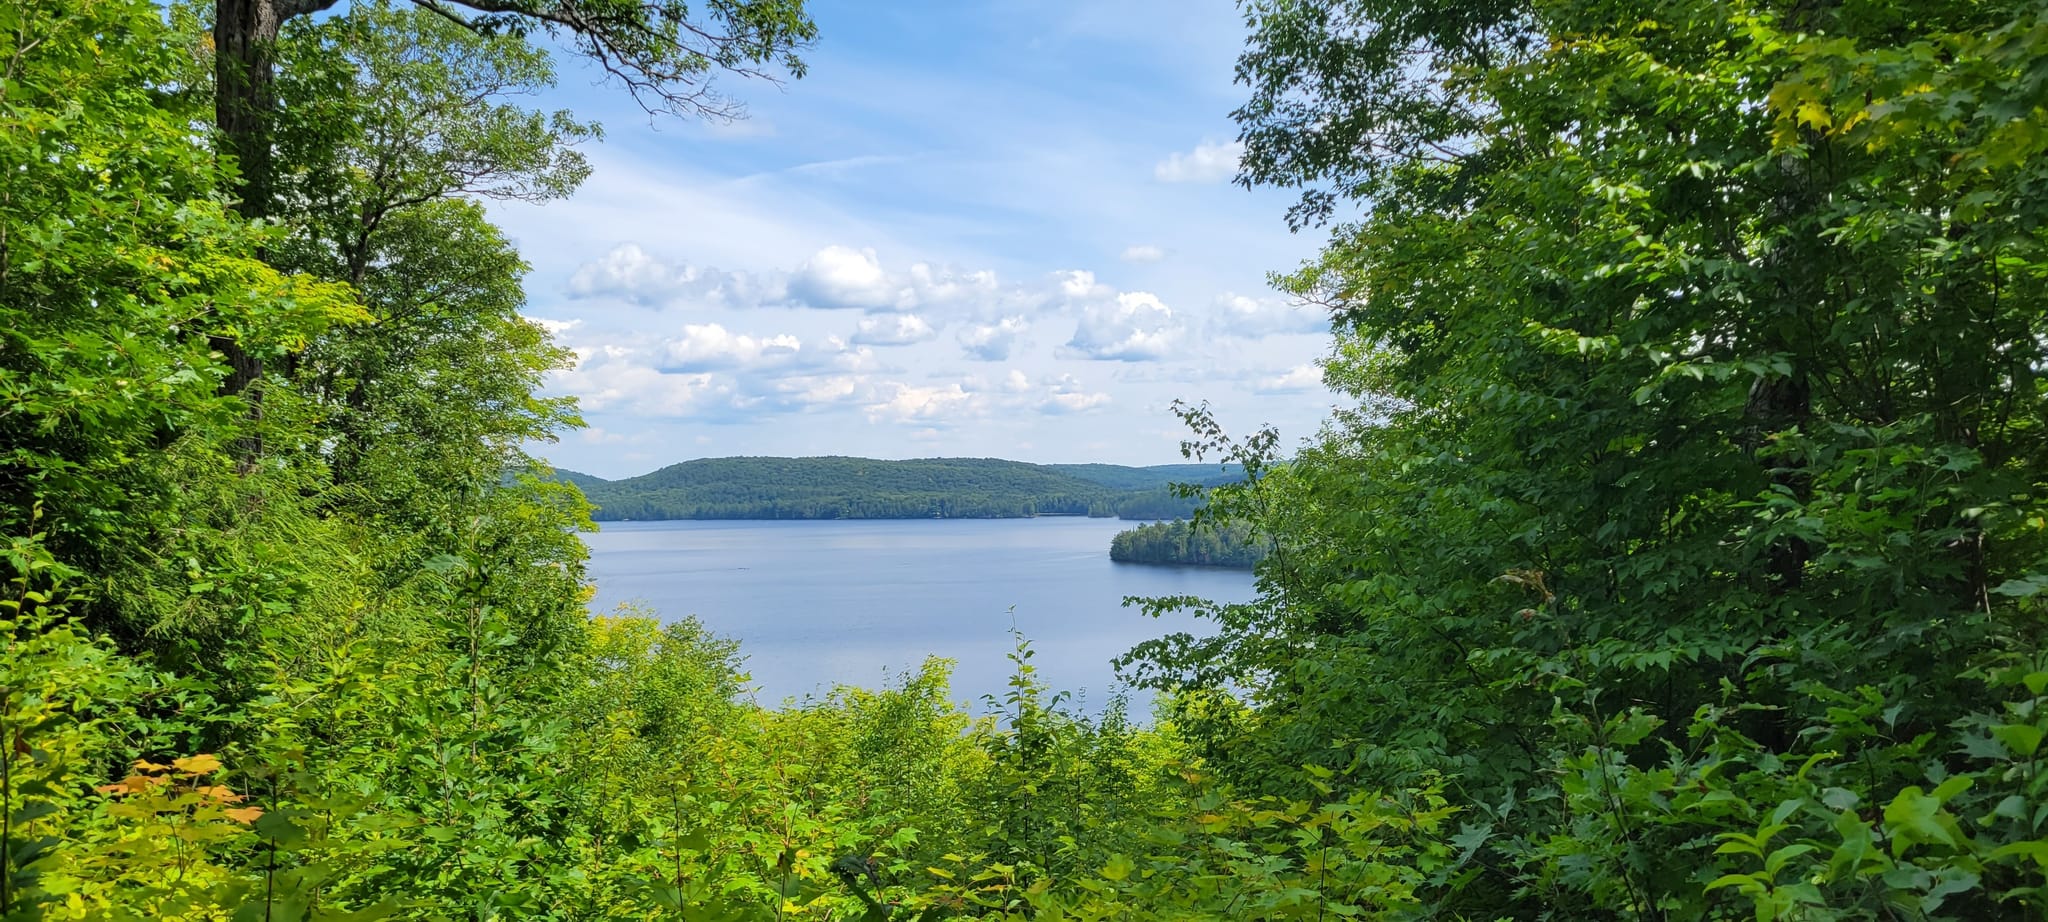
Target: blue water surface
[{"x": 819, "y": 603}]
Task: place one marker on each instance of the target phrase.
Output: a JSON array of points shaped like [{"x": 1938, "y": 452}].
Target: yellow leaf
[
  {"x": 244, "y": 814},
  {"x": 197, "y": 765},
  {"x": 1811, "y": 112},
  {"x": 133, "y": 784}
]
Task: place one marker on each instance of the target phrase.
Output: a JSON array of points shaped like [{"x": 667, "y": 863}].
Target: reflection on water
[{"x": 815, "y": 604}]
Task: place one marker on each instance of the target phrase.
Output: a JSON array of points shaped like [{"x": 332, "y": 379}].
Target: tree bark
[{"x": 244, "y": 71}]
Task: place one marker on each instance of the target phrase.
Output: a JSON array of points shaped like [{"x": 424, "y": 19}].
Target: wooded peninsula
[{"x": 1195, "y": 544}]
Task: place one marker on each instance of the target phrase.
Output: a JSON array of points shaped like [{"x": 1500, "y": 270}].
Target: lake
[{"x": 819, "y": 603}]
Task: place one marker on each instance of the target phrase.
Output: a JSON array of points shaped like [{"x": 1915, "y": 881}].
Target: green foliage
[
  {"x": 117, "y": 258},
  {"x": 863, "y": 488},
  {"x": 1693, "y": 491},
  {"x": 1152, "y": 477},
  {"x": 1683, "y": 556},
  {"x": 1207, "y": 544}
]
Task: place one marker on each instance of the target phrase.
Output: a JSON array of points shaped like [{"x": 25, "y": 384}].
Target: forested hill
[{"x": 866, "y": 488}]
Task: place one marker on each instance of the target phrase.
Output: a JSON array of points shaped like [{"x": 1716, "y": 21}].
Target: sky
[{"x": 982, "y": 228}]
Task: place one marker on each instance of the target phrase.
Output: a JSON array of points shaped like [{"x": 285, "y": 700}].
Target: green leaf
[{"x": 2022, "y": 739}]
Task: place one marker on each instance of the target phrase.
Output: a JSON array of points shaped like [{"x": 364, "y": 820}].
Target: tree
[
  {"x": 665, "y": 53},
  {"x": 1696, "y": 346},
  {"x": 115, "y": 245},
  {"x": 398, "y": 119}
]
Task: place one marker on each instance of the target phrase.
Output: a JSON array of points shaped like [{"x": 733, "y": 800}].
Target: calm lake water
[{"x": 815, "y": 604}]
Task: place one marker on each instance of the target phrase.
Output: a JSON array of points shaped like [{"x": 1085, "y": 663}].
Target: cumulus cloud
[
  {"x": 708, "y": 373},
  {"x": 897, "y": 330},
  {"x": 615, "y": 378},
  {"x": 554, "y": 327},
  {"x": 930, "y": 286},
  {"x": 843, "y": 277},
  {"x": 1133, "y": 327},
  {"x": 706, "y": 347},
  {"x": 905, "y": 402},
  {"x": 1210, "y": 161},
  {"x": 1237, "y": 315},
  {"x": 836, "y": 277},
  {"x": 631, "y": 274},
  {"x": 1065, "y": 394},
  {"x": 1143, "y": 253},
  {"x": 725, "y": 368},
  {"x": 1076, "y": 284},
  {"x": 992, "y": 342},
  {"x": 1299, "y": 379}
]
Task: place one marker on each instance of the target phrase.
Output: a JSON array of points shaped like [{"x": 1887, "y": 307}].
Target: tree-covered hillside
[
  {"x": 1151, "y": 477},
  {"x": 864, "y": 488}
]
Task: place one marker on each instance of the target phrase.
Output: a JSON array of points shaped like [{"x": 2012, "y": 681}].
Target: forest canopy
[
  {"x": 866, "y": 488},
  {"x": 1182, "y": 543},
  {"x": 1679, "y": 552}
]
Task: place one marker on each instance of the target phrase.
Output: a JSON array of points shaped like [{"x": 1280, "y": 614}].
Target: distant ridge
[{"x": 836, "y": 487}]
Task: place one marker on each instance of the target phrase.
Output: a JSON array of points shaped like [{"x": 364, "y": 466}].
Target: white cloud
[
  {"x": 1135, "y": 327},
  {"x": 1210, "y": 161},
  {"x": 938, "y": 288},
  {"x": 835, "y": 277},
  {"x": 843, "y": 277},
  {"x": 826, "y": 389},
  {"x": 1075, "y": 284},
  {"x": 630, "y": 274},
  {"x": 1143, "y": 253},
  {"x": 706, "y": 347},
  {"x": 554, "y": 327},
  {"x": 1074, "y": 403},
  {"x": 904, "y": 403},
  {"x": 1299, "y": 379},
  {"x": 1251, "y": 318},
  {"x": 839, "y": 276},
  {"x": 899, "y": 330},
  {"x": 1066, "y": 394},
  {"x": 992, "y": 342},
  {"x": 708, "y": 373},
  {"x": 614, "y": 379}
]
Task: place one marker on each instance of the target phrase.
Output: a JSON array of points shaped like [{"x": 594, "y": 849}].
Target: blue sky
[{"x": 974, "y": 229}]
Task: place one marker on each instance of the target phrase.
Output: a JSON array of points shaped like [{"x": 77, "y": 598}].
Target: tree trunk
[
  {"x": 244, "y": 69},
  {"x": 244, "y": 98}
]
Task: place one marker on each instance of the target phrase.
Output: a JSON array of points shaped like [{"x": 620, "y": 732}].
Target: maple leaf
[{"x": 198, "y": 765}]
